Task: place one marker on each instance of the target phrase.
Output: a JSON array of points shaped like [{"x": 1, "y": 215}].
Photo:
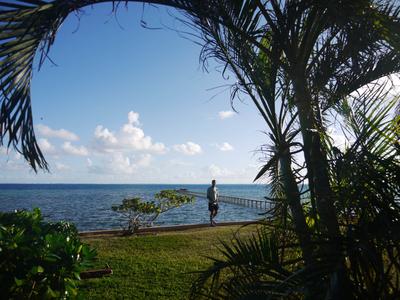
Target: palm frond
[
  {"x": 368, "y": 190},
  {"x": 254, "y": 262},
  {"x": 28, "y": 28}
]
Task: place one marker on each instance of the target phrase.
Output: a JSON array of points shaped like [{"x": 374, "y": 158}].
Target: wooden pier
[{"x": 259, "y": 204}]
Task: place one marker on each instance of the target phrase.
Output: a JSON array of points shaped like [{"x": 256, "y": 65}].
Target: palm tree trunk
[
  {"x": 316, "y": 162},
  {"x": 317, "y": 167},
  {"x": 293, "y": 198}
]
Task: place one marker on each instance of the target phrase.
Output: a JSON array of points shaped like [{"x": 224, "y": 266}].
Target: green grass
[{"x": 154, "y": 266}]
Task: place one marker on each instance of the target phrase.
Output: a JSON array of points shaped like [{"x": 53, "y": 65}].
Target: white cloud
[
  {"x": 225, "y": 147},
  {"x": 122, "y": 164},
  {"x": 74, "y": 150},
  {"x": 104, "y": 135},
  {"x": 123, "y": 152},
  {"x": 89, "y": 162},
  {"x": 387, "y": 84},
  {"x": 189, "y": 148},
  {"x": 48, "y": 132},
  {"x": 46, "y": 146},
  {"x": 96, "y": 168},
  {"x": 130, "y": 137},
  {"x": 216, "y": 171},
  {"x": 133, "y": 118},
  {"x": 225, "y": 114},
  {"x": 135, "y": 139},
  {"x": 144, "y": 160},
  {"x": 338, "y": 138},
  {"x": 13, "y": 165},
  {"x": 174, "y": 163},
  {"x": 118, "y": 163},
  {"x": 61, "y": 166}
]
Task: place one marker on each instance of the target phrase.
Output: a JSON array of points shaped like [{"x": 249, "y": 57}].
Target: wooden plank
[{"x": 95, "y": 273}]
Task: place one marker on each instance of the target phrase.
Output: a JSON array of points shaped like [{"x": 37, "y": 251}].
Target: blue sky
[
  {"x": 125, "y": 104},
  {"x": 131, "y": 105}
]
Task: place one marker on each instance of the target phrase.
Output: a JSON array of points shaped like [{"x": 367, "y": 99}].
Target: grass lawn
[{"x": 154, "y": 266}]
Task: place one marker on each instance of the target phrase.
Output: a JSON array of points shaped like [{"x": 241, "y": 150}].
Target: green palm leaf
[{"x": 28, "y": 28}]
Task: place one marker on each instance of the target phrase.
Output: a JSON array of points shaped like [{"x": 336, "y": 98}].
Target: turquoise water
[{"x": 89, "y": 205}]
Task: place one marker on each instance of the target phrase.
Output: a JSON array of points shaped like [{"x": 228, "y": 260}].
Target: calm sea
[{"x": 89, "y": 205}]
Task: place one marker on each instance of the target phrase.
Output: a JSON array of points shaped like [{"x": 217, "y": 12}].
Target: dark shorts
[{"x": 213, "y": 206}]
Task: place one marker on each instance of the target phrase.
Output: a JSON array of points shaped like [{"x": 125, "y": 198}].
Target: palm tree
[
  {"x": 365, "y": 179},
  {"x": 324, "y": 57},
  {"x": 258, "y": 77}
]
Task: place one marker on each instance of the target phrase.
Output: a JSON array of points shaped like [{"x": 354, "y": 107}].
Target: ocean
[{"x": 89, "y": 205}]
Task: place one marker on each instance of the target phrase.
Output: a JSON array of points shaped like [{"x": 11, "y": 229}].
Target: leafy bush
[
  {"x": 141, "y": 214},
  {"x": 40, "y": 260}
]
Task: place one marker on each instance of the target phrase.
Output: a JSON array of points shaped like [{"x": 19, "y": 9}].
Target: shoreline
[{"x": 160, "y": 229}]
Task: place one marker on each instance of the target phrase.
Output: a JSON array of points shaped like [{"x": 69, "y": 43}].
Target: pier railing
[{"x": 259, "y": 204}]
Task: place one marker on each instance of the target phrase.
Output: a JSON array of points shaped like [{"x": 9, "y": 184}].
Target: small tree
[{"x": 143, "y": 213}]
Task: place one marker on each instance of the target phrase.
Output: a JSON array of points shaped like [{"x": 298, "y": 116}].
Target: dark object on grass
[{"x": 96, "y": 273}]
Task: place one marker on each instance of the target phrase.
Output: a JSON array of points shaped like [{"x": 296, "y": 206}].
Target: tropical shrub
[
  {"x": 143, "y": 213},
  {"x": 40, "y": 260}
]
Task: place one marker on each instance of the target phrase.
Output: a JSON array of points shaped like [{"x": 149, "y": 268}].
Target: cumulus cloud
[
  {"x": 144, "y": 160},
  {"x": 95, "y": 168},
  {"x": 130, "y": 137},
  {"x": 48, "y": 132},
  {"x": 227, "y": 175},
  {"x": 74, "y": 150},
  {"x": 216, "y": 171},
  {"x": 46, "y": 146},
  {"x": 124, "y": 151},
  {"x": 134, "y": 138},
  {"x": 225, "y": 114},
  {"x": 188, "y": 148},
  {"x": 122, "y": 164},
  {"x": 133, "y": 118},
  {"x": 105, "y": 135},
  {"x": 225, "y": 147},
  {"x": 118, "y": 163}
]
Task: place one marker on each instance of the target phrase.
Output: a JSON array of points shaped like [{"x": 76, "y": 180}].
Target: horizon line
[{"x": 86, "y": 183}]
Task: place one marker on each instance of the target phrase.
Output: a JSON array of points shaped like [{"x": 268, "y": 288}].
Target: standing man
[{"x": 212, "y": 196}]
